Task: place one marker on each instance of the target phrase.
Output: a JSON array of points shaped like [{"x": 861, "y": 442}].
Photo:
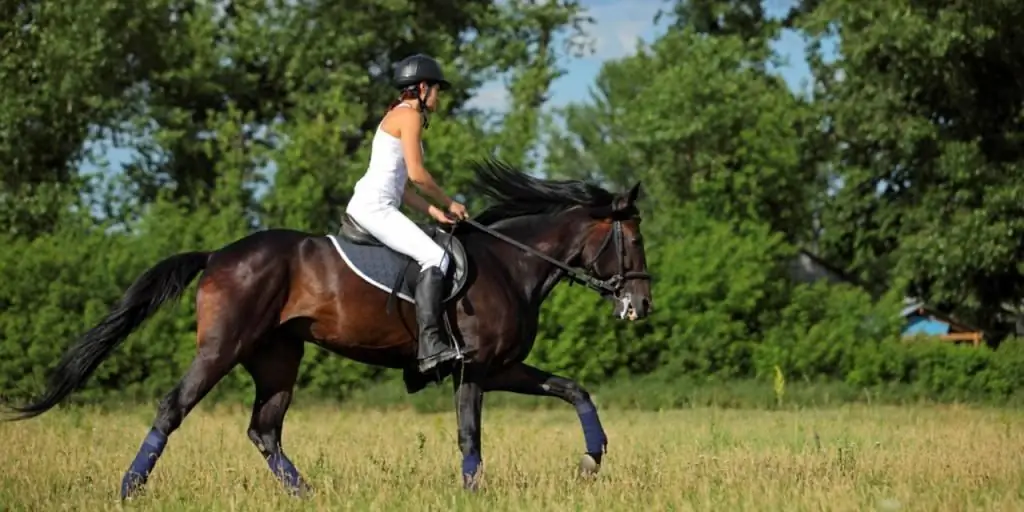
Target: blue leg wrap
[
  {"x": 593, "y": 433},
  {"x": 138, "y": 473},
  {"x": 470, "y": 466},
  {"x": 284, "y": 470}
]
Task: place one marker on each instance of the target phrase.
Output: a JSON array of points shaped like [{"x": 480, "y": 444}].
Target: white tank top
[{"x": 386, "y": 174}]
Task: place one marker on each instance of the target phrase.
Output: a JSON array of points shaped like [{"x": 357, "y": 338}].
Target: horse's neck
[{"x": 552, "y": 236}]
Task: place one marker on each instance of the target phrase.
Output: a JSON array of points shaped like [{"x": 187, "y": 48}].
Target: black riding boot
[{"x": 432, "y": 350}]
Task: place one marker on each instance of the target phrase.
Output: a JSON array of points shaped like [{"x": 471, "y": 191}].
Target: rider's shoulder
[
  {"x": 404, "y": 118},
  {"x": 397, "y": 122}
]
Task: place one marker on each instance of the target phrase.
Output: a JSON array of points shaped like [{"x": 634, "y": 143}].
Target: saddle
[
  {"x": 354, "y": 233},
  {"x": 373, "y": 261},
  {"x": 455, "y": 278}
]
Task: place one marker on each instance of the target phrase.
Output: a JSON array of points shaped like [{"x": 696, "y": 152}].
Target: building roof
[{"x": 912, "y": 305}]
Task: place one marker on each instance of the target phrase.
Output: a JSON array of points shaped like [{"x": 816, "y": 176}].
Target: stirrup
[{"x": 430, "y": 363}]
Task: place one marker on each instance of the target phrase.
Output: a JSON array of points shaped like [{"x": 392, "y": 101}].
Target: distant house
[{"x": 920, "y": 319}]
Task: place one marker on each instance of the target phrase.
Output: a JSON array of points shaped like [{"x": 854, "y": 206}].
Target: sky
[{"x": 617, "y": 28}]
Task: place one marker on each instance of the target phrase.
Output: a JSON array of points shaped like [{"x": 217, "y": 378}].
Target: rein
[{"x": 610, "y": 286}]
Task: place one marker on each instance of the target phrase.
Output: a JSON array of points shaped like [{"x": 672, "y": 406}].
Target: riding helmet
[{"x": 419, "y": 68}]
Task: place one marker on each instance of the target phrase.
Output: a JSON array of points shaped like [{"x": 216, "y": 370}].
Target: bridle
[
  {"x": 614, "y": 284},
  {"x": 607, "y": 288}
]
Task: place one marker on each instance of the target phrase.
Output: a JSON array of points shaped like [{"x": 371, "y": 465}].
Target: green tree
[
  {"x": 330, "y": 126},
  {"x": 717, "y": 142},
  {"x": 922, "y": 107},
  {"x": 67, "y": 71},
  {"x": 699, "y": 126}
]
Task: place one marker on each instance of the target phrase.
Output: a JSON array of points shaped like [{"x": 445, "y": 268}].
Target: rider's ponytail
[{"x": 406, "y": 95}]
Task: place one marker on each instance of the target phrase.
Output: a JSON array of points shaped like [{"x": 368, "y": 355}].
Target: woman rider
[{"x": 396, "y": 156}]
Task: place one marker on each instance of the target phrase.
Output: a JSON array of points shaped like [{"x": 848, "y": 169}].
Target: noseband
[{"x": 606, "y": 287}]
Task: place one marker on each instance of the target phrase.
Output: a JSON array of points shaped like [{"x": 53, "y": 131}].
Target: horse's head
[
  {"x": 581, "y": 225},
  {"x": 613, "y": 251}
]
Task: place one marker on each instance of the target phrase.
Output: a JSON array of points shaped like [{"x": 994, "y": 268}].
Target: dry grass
[{"x": 858, "y": 458}]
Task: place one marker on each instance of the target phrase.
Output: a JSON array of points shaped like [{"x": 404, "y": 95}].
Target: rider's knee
[{"x": 440, "y": 260}]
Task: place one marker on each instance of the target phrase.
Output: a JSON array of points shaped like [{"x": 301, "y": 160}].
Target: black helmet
[{"x": 419, "y": 68}]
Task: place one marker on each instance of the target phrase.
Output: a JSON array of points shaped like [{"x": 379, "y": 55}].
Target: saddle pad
[{"x": 377, "y": 265}]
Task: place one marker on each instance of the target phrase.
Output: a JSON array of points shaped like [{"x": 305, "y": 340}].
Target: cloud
[
  {"x": 491, "y": 96},
  {"x": 618, "y": 25}
]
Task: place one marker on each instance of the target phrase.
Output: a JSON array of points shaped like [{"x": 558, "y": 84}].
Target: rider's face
[{"x": 432, "y": 92}]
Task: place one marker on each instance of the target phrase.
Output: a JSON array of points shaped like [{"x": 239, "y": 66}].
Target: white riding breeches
[{"x": 389, "y": 225}]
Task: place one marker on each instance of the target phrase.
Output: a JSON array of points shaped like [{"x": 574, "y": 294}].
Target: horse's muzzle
[{"x": 630, "y": 307}]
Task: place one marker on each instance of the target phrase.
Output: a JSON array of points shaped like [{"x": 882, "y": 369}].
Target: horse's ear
[
  {"x": 627, "y": 200},
  {"x": 633, "y": 194}
]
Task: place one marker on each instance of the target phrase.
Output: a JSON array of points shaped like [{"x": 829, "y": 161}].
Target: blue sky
[{"x": 617, "y": 27}]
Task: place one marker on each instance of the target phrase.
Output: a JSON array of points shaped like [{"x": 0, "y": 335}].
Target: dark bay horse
[{"x": 262, "y": 297}]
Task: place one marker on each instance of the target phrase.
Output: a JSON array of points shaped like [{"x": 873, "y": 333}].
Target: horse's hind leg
[
  {"x": 274, "y": 367},
  {"x": 207, "y": 368},
  {"x": 223, "y": 334}
]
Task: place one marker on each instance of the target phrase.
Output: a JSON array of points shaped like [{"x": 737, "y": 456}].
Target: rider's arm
[
  {"x": 411, "y": 198},
  {"x": 410, "y": 132}
]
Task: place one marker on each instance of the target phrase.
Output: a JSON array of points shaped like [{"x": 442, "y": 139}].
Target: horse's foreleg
[
  {"x": 527, "y": 380},
  {"x": 469, "y": 401}
]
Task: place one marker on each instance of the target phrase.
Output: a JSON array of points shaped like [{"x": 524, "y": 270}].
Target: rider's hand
[
  {"x": 457, "y": 209},
  {"x": 439, "y": 215}
]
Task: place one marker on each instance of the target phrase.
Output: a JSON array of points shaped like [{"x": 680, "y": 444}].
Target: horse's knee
[
  {"x": 569, "y": 391},
  {"x": 578, "y": 395}
]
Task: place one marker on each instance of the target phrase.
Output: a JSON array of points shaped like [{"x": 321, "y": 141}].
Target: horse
[{"x": 262, "y": 297}]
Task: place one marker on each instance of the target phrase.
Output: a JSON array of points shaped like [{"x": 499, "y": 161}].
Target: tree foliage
[
  {"x": 923, "y": 114},
  {"x": 902, "y": 167}
]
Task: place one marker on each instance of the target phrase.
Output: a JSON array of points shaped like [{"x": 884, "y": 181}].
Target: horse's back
[
  {"x": 265, "y": 254},
  {"x": 274, "y": 240}
]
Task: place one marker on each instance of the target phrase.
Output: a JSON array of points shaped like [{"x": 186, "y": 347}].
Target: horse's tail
[{"x": 164, "y": 282}]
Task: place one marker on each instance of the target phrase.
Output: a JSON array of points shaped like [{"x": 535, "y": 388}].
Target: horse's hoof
[
  {"x": 303, "y": 491},
  {"x": 471, "y": 483},
  {"x": 589, "y": 466}
]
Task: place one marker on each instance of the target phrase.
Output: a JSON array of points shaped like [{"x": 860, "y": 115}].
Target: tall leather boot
[{"x": 433, "y": 349}]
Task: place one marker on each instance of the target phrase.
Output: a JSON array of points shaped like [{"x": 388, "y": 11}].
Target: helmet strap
[
  {"x": 424, "y": 115},
  {"x": 422, "y": 106}
]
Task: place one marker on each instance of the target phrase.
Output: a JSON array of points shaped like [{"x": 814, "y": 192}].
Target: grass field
[{"x": 850, "y": 458}]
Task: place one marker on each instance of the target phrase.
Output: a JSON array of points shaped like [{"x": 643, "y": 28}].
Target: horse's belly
[
  {"x": 362, "y": 340},
  {"x": 388, "y": 357}
]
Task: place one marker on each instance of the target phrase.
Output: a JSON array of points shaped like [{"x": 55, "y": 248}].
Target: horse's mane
[{"x": 516, "y": 193}]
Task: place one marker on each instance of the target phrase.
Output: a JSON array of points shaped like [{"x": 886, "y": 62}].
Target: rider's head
[{"x": 420, "y": 77}]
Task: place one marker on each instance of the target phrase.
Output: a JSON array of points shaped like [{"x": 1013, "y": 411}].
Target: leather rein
[{"x": 611, "y": 286}]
